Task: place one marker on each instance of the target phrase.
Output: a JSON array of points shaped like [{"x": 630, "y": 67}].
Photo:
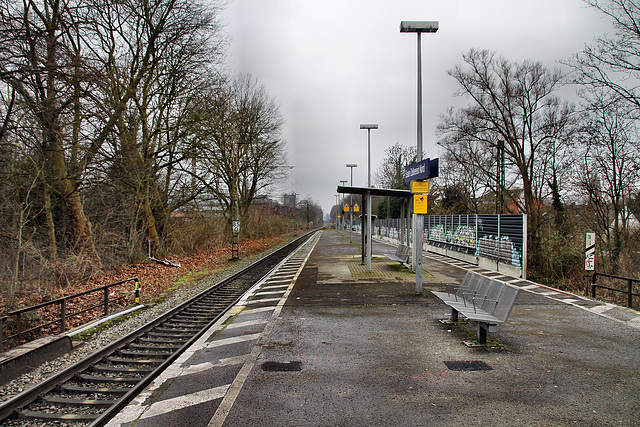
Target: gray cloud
[{"x": 334, "y": 64}]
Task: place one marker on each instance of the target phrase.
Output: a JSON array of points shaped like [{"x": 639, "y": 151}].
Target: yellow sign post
[
  {"x": 356, "y": 208},
  {"x": 420, "y": 187},
  {"x": 420, "y": 204},
  {"x": 346, "y": 207}
]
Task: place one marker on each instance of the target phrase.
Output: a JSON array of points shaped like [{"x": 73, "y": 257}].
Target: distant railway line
[{"x": 94, "y": 389}]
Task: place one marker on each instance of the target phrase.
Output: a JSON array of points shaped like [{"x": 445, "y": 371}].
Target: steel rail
[{"x": 28, "y": 396}]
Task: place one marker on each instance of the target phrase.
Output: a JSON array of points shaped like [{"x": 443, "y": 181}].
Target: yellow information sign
[
  {"x": 356, "y": 208},
  {"x": 420, "y": 187},
  {"x": 339, "y": 216},
  {"x": 346, "y": 207},
  {"x": 420, "y": 204}
]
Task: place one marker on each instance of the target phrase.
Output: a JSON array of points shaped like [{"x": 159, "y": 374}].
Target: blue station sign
[{"x": 428, "y": 168}]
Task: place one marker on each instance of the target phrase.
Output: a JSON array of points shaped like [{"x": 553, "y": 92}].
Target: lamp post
[
  {"x": 343, "y": 182},
  {"x": 368, "y": 127},
  {"x": 351, "y": 166},
  {"x": 418, "y": 27}
]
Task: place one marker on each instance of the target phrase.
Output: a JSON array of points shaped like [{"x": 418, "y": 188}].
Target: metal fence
[
  {"x": 496, "y": 237},
  {"x": 500, "y": 238},
  {"x": 19, "y": 324},
  {"x": 614, "y": 292}
]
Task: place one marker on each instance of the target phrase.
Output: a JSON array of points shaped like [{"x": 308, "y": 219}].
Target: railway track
[{"x": 96, "y": 388}]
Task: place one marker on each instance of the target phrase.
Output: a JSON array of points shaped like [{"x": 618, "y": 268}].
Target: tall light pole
[
  {"x": 351, "y": 165},
  {"x": 368, "y": 127},
  {"x": 418, "y": 27},
  {"x": 343, "y": 182}
]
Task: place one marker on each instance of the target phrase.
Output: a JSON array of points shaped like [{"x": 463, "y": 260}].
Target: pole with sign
[
  {"x": 420, "y": 208},
  {"x": 590, "y": 252}
]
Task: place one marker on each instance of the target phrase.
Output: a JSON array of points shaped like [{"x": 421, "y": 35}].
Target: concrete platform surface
[{"x": 344, "y": 347}]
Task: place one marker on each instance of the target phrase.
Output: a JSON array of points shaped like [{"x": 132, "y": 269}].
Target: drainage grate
[
  {"x": 295, "y": 365},
  {"x": 467, "y": 365}
]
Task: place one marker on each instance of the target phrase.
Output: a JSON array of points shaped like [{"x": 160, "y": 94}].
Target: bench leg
[
  {"x": 482, "y": 333},
  {"x": 454, "y": 315}
]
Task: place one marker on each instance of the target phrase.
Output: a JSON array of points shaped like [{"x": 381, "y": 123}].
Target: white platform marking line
[
  {"x": 229, "y": 399},
  {"x": 259, "y": 309},
  {"x": 184, "y": 401},
  {"x": 261, "y": 293},
  {"x": 227, "y": 361},
  {"x": 233, "y": 340},
  {"x": 137, "y": 406},
  {"x": 283, "y": 286},
  {"x": 262, "y": 300},
  {"x": 600, "y": 309},
  {"x": 242, "y": 324}
]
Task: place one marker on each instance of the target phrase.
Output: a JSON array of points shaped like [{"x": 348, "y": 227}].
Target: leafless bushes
[{"x": 108, "y": 120}]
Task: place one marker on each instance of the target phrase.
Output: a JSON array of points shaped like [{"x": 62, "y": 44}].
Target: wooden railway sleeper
[
  {"x": 170, "y": 334},
  {"x": 146, "y": 354},
  {"x": 74, "y": 402},
  {"x": 38, "y": 415},
  {"x": 114, "y": 369},
  {"x": 192, "y": 318},
  {"x": 76, "y": 389},
  {"x": 199, "y": 324},
  {"x": 106, "y": 379},
  {"x": 124, "y": 361},
  {"x": 162, "y": 340},
  {"x": 167, "y": 346},
  {"x": 181, "y": 330}
]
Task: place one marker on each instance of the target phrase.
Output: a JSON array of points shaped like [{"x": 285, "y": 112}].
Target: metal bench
[
  {"x": 402, "y": 254},
  {"x": 485, "y": 301}
]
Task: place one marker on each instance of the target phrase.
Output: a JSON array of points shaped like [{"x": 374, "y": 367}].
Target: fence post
[
  {"x": 2, "y": 332},
  {"x": 593, "y": 285},
  {"x": 63, "y": 315},
  {"x": 136, "y": 298},
  {"x": 106, "y": 301},
  {"x": 630, "y": 292},
  {"x": 19, "y": 325}
]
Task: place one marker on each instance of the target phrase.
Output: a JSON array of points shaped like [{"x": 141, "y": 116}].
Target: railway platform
[{"x": 323, "y": 342}]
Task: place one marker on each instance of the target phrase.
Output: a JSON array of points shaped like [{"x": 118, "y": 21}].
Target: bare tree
[
  {"x": 390, "y": 174},
  {"x": 513, "y": 108},
  {"x": 613, "y": 62},
  {"x": 610, "y": 170},
  {"x": 41, "y": 60},
  {"x": 241, "y": 149},
  {"x": 154, "y": 131}
]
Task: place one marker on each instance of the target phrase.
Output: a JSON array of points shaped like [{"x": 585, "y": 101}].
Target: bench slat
[
  {"x": 481, "y": 299},
  {"x": 401, "y": 254}
]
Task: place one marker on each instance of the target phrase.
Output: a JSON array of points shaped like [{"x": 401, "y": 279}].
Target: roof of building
[{"x": 375, "y": 191}]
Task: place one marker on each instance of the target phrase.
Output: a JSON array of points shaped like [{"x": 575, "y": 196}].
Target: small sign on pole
[
  {"x": 421, "y": 187},
  {"x": 420, "y": 204},
  {"x": 346, "y": 207},
  {"x": 356, "y": 208},
  {"x": 590, "y": 252}
]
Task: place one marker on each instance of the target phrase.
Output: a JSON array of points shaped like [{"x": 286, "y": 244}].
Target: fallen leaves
[{"x": 155, "y": 279}]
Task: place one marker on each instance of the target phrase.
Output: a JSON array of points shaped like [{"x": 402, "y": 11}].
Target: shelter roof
[{"x": 375, "y": 191}]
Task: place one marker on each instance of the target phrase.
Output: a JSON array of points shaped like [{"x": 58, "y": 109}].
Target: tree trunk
[
  {"x": 67, "y": 188},
  {"x": 51, "y": 228}
]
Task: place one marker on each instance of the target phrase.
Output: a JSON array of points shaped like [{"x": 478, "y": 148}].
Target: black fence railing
[
  {"x": 629, "y": 289},
  {"x": 25, "y": 322}
]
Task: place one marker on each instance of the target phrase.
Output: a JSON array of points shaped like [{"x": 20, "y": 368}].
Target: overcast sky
[{"x": 334, "y": 64}]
